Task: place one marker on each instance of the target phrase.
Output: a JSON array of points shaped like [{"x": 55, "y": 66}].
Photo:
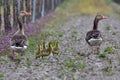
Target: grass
[
  {"x": 74, "y": 64},
  {"x": 93, "y": 7},
  {"x": 60, "y": 34},
  {"x": 74, "y": 32},
  {"x": 102, "y": 55},
  {"x": 28, "y": 62},
  {"x": 1, "y": 75},
  {"x": 114, "y": 33},
  {"x": 69, "y": 64},
  {"x": 109, "y": 50},
  {"x": 109, "y": 61},
  {"x": 107, "y": 28},
  {"x": 108, "y": 70},
  {"x": 89, "y": 7}
]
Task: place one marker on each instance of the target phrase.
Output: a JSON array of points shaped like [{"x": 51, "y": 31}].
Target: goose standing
[
  {"x": 94, "y": 37},
  {"x": 18, "y": 41}
]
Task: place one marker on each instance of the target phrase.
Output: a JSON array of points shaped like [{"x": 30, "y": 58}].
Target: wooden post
[{"x": 7, "y": 15}]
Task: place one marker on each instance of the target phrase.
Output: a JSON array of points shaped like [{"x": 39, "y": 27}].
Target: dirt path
[{"x": 71, "y": 66}]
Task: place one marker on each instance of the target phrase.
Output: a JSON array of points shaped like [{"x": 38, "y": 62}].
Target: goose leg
[
  {"x": 98, "y": 48},
  {"x": 13, "y": 55}
]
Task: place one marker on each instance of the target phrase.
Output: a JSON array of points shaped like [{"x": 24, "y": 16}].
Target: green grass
[
  {"x": 109, "y": 50},
  {"x": 109, "y": 61},
  {"x": 114, "y": 33},
  {"x": 74, "y": 32},
  {"x": 32, "y": 45},
  {"x": 1, "y": 75},
  {"x": 75, "y": 65},
  {"x": 4, "y": 60},
  {"x": 60, "y": 34},
  {"x": 69, "y": 64},
  {"x": 102, "y": 55},
  {"x": 28, "y": 63},
  {"x": 107, "y": 28},
  {"x": 108, "y": 71}
]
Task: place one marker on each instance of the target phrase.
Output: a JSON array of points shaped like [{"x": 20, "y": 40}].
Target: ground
[{"x": 70, "y": 65}]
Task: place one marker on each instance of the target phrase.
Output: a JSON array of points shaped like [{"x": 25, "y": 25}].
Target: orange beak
[
  {"x": 104, "y": 17},
  {"x": 27, "y": 13}
]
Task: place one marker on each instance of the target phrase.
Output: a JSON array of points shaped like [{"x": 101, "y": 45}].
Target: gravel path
[{"x": 72, "y": 66}]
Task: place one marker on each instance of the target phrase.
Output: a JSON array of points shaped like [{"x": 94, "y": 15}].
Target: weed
[
  {"x": 54, "y": 42},
  {"x": 1, "y": 75},
  {"x": 4, "y": 60},
  {"x": 107, "y": 28},
  {"x": 107, "y": 70},
  {"x": 81, "y": 66},
  {"x": 74, "y": 32},
  {"x": 113, "y": 33},
  {"x": 109, "y": 50},
  {"x": 109, "y": 61},
  {"x": 28, "y": 62},
  {"x": 69, "y": 64},
  {"x": 37, "y": 64},
  {"x": 60, "y": 34},
  {"x": 102, "y": 55}
]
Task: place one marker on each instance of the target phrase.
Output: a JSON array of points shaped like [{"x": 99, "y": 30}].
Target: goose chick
[
  {"x": 43, "y": 51},
  {"x": 56, "y": 49},
  {"x": 38, "y": 51},
  {"x": 48, "y": 51}
]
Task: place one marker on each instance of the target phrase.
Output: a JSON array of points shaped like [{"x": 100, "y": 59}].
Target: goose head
[
  {"x": 50, "y": 45},
  {"x": 24, "y": 13},
  {"x": 100, "y": 17}
]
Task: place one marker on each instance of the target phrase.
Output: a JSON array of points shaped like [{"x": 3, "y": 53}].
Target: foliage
[
  {"x": 102, "y": 55},
  {"x": 28, "y": 63},
  {"x": 109, "y": 50},
  {"x": 114, "y": 33},
  {"x": 93, "y": 7},
  {"x": 107, "y": 28},
  {"x": 69, "y": 64},
  {"x": 1, "y": 75}
]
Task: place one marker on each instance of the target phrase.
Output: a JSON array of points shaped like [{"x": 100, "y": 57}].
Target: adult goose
[
  {"x": 94, "y": 37},
  {"x": 18, "y": 41}
]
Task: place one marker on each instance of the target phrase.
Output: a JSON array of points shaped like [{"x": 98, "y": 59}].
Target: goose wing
[{"x": 19, "y": 41}]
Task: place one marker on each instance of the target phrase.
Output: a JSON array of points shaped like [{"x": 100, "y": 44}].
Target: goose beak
[{"x": 104, "y": 17}]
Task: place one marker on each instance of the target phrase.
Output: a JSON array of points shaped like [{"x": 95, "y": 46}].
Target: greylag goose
[
  {"x": 94, "y": 37},
  {"x": 18, "y": 41}
]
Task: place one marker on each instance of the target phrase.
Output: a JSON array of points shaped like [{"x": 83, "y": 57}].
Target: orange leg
[{"x": 13, "y": 55}]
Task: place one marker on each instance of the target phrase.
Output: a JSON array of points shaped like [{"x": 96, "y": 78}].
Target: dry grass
[
  {"x": 72, "y": 8},
  {"x": 93, "y": 7}
]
